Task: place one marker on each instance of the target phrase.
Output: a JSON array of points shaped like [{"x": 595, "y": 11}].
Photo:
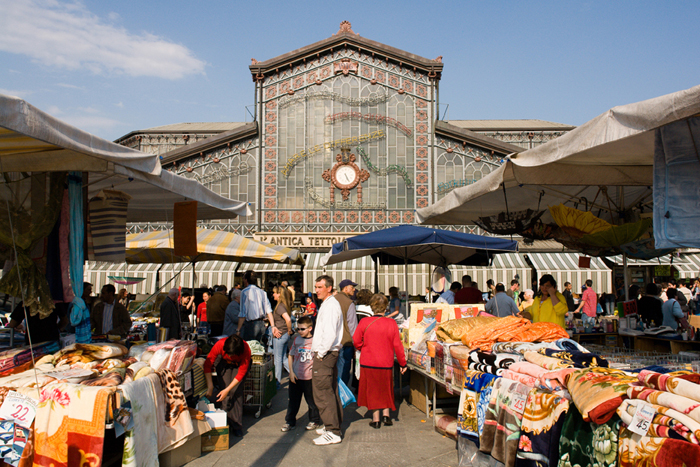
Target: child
[
  {"x": 310, "y": 308},
  {"x": 300, "y": 360}
]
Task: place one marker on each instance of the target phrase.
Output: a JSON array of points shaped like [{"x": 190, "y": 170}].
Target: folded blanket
[
  {"x": 112, "y": 378},
  {"x": 141, "y": 443},
  {"x": 598, "y": 392},
  {"x": 576, "y": 359},
  {"x": 682, "y": 404},
  {"x": 498, "y": 360},
  {"x": 490, "y": 369},
  {"x": 570, "y": 345},
  {"x": 502, "y": 425},
  {"x": 647, "y": 451},
  {"x": 482, "y": 385},
  {"x": 97, "y": 351},
  {"x": 527, "y": 380},
  {"x": 541, "y": 332},
  {"x": 667, "y": 423},
  {"x": 548, "y": 363},
  {"x": 500, "y": 330},
  {"x": 674, "y": 384},
  {"x": 584, "y": 443},
  {"x": 454, "y": 329},
  {"x": 467, "y": 425},
  {"x": 540, "y": 430},
  {"x": 521, "y": 347}
]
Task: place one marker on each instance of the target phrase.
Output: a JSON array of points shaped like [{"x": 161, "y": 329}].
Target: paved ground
[{"x": 412, "y": 441}]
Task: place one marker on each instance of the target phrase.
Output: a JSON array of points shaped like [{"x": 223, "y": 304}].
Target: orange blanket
[{"x": 511, "y": 329}]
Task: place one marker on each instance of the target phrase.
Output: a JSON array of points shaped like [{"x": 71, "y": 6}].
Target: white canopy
[
  {"x": 33, "y": 141},
  {"x": 615, "y": 149}
]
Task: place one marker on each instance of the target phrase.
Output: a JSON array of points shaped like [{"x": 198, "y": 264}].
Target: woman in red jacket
[
  {"x": 378, "y": 339},
  {"x": 231, "y": 357}
]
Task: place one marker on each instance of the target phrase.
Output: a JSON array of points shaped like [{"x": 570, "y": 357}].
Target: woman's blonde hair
[
  {"x": 379, "y": 303},
  {"x": 285, "y": 297}
]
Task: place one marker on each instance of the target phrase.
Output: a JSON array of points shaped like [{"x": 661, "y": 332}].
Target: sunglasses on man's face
[{"x": 302, "y": 329}]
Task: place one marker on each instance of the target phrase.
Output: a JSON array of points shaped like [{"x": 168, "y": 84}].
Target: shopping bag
[{"x": 346, "y": 395}]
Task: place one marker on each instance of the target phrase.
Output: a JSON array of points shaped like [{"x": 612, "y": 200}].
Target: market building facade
[{"x": 346, "y": 139}]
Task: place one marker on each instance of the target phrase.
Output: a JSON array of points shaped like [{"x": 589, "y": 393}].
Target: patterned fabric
[
  {"x": 175, "y": 402},
  {"x": 521, "y": 347},
  {"x": 541, "y": 428},
  {"x": 674, "y": 384},
  {"x": 108, "y": 225},
  {"x": 667, "y": 423},
  {"x": 576, "y": 359},
  {"x": 498, "y": 360},
  {"x": 502, "y": 425},
  {"x": 141, "y": 443},
  {"x": 474, "y": 400},
  {"x": 682, "y": 404},
  {"x": 647, "y": 451},
  {"x": 583, "y": 443},
  {"x": 598, "y": 392},
  {"x": 467, "y": 425},
  {"x": 70, "y": 424},
  {"x": 570, "y": 345},
  {"x": 527, "y": 380}
]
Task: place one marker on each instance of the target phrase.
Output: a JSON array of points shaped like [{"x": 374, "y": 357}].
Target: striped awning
[
  {"x": 212, "y": 245},
  {"x": 359, "y": 270},
  {"x": 97, "y": 272},
  {"x": 268, "y": 267},
  {"x": 660, "y": 261},
  {"x": 689, "y": 266},
  {"x": 504, "y": 268},
  {"x": 210, "y": 273},
  {"x": 564, "y": 268}
]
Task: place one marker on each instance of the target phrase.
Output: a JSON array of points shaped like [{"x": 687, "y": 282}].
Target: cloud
[
  {"x": 54, "y": 110},
  {"x": 16, "y": 93},
  {"x": 91, "y": 123},
  {"x": 70, "y": 86},
  {"x": 68, "y": 36},
  {"x": 120, "y": 105}
]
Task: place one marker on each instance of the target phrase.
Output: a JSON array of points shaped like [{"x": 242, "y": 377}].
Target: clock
[{"x": 345, "y": 175}]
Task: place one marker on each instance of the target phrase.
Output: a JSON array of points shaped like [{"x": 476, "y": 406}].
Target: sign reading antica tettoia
[{"x": 308, "y": 241}]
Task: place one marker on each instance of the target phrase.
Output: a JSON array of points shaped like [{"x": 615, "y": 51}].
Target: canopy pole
[
  {"x": 626, "y": 275},
  {"x": 376, "y": 275},
  {"x": 405, "y": 269}
]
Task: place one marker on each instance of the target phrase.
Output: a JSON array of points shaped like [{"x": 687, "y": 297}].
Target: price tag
[
  {"x": 518, "y": 398},
  {"x": 642, "y": 419},
  {"x": 19, "y": 408}
]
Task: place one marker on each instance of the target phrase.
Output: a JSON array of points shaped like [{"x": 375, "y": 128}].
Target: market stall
[{"x": 527, "y": 394}]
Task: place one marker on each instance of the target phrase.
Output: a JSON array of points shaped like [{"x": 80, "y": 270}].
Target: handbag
[{"x": 346, "y": 395}]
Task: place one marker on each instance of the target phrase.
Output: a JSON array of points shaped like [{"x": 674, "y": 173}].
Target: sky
[{"x": 110, "y": 68}]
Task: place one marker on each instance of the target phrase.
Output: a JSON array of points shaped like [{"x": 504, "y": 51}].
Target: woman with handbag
[{"x": 378, "y": 339}]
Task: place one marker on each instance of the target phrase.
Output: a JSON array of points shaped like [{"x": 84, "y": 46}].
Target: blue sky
[{"x": 113, "y": 67}]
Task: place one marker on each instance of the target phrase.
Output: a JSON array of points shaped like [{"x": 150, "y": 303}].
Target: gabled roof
[
  {"x": 245, "y": 131},
  {"x": 486, "y": 142},
  {"x": 180, "y": 128},
  {"x": 346, "y": 37},
  {"x": 511, "y": 125}
]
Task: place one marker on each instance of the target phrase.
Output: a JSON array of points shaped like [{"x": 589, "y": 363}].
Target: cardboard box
[
  {"x": 215, "y": 440},
  {"x": 182, "y": 455},
  {"x": 418, "y": 397},
  {"x": 216, "y": 419}
]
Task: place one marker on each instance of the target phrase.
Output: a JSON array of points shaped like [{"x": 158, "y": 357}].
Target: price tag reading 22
[{"x": 18, "y": 408}]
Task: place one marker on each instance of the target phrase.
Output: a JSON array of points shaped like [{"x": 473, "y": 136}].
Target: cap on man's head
[{"x": 345, "y": 282}]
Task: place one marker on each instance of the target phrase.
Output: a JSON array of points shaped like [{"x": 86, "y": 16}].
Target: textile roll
[
  {"x": 185, "y": 228},
  {"x": 108, "y": 225},
  {"x": 598, "y": 392}
]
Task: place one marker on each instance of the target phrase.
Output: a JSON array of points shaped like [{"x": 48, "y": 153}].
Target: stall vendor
[
  {"x": 41, "y": 330},
  {"x": 109, "y": 316},
  {"x": 231, "y": 357},
  {"x": 549, "y": 305}
]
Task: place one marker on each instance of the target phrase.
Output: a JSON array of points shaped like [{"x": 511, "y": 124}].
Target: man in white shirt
[
  {"x": 328, "y": 341},
  {"x": 255, "y": 307}
]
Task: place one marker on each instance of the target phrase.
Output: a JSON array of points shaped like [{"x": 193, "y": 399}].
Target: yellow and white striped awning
[{"x": 212, "y": 245}]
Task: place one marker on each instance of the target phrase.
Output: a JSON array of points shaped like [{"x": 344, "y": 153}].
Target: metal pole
[
  {"x": 376, "y": 275},
  {"x": 625, "y": 272},
  {"x": 405, "y": 269}
]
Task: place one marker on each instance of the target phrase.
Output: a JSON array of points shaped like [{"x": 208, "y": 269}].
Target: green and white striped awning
[
  {"x": 564, "y": 268},
  {"x": 359, "y": 270},
  {"x": 689, "y": 266},
  {"x": 660, "y": 261},
  {"x": 504, "y": 268},
  {"x": 210, "y": 273},
  {"x": 268, "y": 267},
  {"x": 97, "y": 272}
]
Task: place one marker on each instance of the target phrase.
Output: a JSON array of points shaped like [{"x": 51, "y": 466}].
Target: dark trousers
[
  {"x": 345, "y": 363},
  {"x": 233, "y": 403},
  {"x": 325, "y": 388},
  {"x": 253, "y": 330},
  {"x": 303, "y": 387},
  {"x": 217, "y": 329}
]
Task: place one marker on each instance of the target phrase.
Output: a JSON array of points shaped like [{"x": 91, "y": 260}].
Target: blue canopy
[{"x": 413, "y": 244}]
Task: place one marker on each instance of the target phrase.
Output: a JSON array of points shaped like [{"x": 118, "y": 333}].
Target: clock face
[{"x": 345, "y": 175}]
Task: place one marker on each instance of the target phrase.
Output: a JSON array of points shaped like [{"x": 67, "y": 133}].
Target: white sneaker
[
  {"x": 328, "y": 438},
  {"x": 321, "y": 431}
]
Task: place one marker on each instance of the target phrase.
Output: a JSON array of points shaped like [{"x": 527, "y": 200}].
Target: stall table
[
  {"x": 660, "y": 344},
  {"x": 600, "y": 338},
  {"x": 431, "y": 399}
]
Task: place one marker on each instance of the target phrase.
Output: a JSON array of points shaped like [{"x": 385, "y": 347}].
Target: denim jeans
[
  {"x": 345, "y": 362},
  {"x": 253, "y": 330},
  {"x": 279, "y": 347}
]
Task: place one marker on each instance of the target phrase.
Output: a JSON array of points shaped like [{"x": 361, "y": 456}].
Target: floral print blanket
[
  {"x": 543, "y": 419},
  {"x": 584, "y": 443},
  {"x": 502, "y": 425}
]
